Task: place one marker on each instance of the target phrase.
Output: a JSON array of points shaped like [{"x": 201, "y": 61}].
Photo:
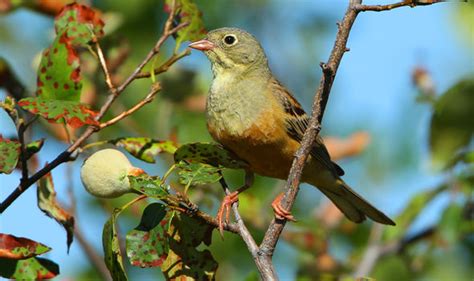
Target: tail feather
[{"x": 354, "y": 207}]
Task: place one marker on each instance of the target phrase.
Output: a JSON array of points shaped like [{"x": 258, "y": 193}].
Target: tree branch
[
  {"x": 96, "y": 260},
  {"x": 243, "y": 230},
  {"x": 377, "y": 250},
  {"x": 103, "y": 64},
  {"x": 151, "y": 95},
  {"x": 166, "y": 65},
  {"x": 65, "y": 156},
  {"x": 406, "y": 3},
  {"x": 181, "y": 203},
  {"x": 329, "y": 70}
]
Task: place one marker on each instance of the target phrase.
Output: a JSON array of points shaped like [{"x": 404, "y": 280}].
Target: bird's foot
[
  {"x": 224, "y": 210},
  {"x": 280, "y": 212}
]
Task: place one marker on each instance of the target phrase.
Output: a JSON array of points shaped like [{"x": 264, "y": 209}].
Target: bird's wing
[{"x": 296, "y": 124}]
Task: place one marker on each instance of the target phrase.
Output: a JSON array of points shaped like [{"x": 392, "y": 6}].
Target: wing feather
[{"x": 297, "y": 122}]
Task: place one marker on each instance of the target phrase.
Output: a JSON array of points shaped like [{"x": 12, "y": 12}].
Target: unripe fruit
[{"x": 104, "y": 173}]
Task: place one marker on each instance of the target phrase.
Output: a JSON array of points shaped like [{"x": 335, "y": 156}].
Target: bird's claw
[
  {"x": 225, "y": 210},
  {"x": 280, "y": 212}
]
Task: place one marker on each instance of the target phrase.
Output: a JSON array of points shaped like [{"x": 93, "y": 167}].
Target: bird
[{"x": 254, "y": 116}]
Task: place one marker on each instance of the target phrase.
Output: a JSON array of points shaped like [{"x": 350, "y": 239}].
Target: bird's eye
[{"x": 230, "y": 39}]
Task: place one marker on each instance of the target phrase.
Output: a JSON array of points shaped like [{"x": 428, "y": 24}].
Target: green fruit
[{"x": 104, "y": 173}]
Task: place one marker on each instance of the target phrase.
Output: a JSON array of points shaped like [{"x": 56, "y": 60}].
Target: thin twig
[
  {"x": 166, "y": 65},
  {"x": 388, "y": 7},
  {"x": 243, "y": 230},
  {"x": 21, "y": 127},
  {"x": 103, "y": 64},
  {"x": 96, "y": 260},
  {"x": 151, "y": 95},
  {"x": 377, "y": 250},
  {"x": 152, "y": 53},
  {"x": 182, "y": 204},
  {"x": 372, "y": 252}
]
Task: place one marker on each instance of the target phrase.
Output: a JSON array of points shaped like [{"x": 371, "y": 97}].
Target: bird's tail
[{"x": 353, "y": 205}]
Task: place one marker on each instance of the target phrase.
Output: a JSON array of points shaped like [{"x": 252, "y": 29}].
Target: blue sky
[{"x": 372, "y": 90}]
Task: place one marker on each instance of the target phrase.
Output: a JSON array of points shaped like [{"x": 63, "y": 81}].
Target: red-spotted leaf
[
  {"x": 59, "y": 74},
  {"x": 9, "y": 153},
  {"x": 145, "y": 149},
  {"x": 28, "y": 269},
  {"x": 187, "y": 11},
  {"x": 209, "y": 153},
  {"x": 197, "y": 173},
  {"x": 147, "y": 244},
  {"x": 185, "y": 261},
  {"x": 112, "y": 253},
  {"x": 74, "y": 113},
  {"x": 49, "y": 205},
  {"x": 82, "y": 24},
  {"x": 59, "y": 81},
  {"x": 151, "y": 186},
  {"x": 12, "y": 247}
]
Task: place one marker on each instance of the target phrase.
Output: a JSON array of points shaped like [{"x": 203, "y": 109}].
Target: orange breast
[{"x": 265, "y": 145}]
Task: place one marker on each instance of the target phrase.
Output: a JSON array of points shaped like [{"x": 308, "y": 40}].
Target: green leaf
[
  {"x": 455, "y": 224},
  {"x": 411, "y": 211},
  {"x": 187, "y": 11},
  {"x": 392, "y": 268},
  {"x": 80, "y": 23},
  {"x": 197, "y": 173},
  {"x": 33, "y": 147},
  {"x": 147, "y": 244},
  {"x": 145, "y": 149},
  {"x": 28, "y": 269},
  {"x": 13, "y": 247},
  {"x": 464, "y": 17},
  {"x": 185, "y": 261},
  {"x": 150, "y": 186},
  {"x": 209, "y": 153},
  {"x": 49, "y": 205},
  {"x": 74, "y": 113},
  {"x": 452, "y": 127},
  {"x": 9, "y": 154},
  {"x": 112, "y": 253}
]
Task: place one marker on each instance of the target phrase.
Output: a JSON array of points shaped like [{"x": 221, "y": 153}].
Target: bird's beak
[{"x": 202, "y": 45}]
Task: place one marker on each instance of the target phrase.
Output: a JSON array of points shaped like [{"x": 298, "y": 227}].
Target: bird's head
[{"x": 232, "y": 48}]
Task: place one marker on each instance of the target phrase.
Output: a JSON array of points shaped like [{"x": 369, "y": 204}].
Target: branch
[
  {"x": 65, "y": 156},
  {"x": 166, "y": 65},
  {"x": 377, "y": 250},
  {"x": 96, "y": 260},
  {"x": 151, "y": 95},
  {"x": 243, "y": 230},
  {"x": 103, "y": 64},
  {"x": 329, "y": 69},
  {"x": 372, "y": 253},
  {"x": 182, "y": 204},
  {"x": 406, "y": 3},
  {"x": 21, "y": 127},
  {"x": 270, "y": 240}
]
